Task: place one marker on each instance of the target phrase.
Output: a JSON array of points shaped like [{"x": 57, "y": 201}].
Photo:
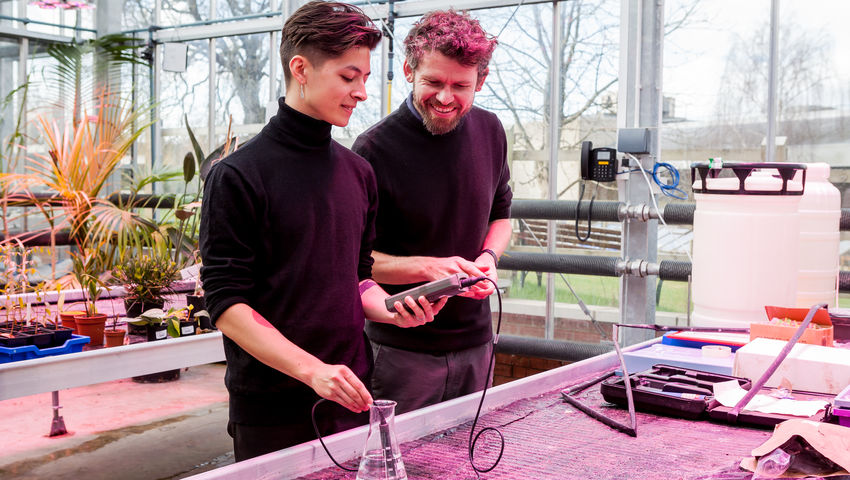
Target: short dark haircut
[
  {"x": 321, "y": 30},
  {"x": 452, "y": 33}
]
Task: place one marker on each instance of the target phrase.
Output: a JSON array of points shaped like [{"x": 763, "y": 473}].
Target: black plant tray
[{"x": 13, "y": 339}]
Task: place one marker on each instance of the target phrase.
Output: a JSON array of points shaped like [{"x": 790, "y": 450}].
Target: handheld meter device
[{"x": 432, "y": 291}]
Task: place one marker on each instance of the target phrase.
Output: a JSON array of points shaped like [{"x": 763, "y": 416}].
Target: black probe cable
[
  {"x": 472, "y": 439},
  {"x": 319, "y": 436},
  {"x": 589, "y": 213}
]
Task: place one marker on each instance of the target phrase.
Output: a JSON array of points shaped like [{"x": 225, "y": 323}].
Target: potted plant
[
  {"x": 180, "y": 322},
  {"x": 22, "y": 320},
  {"x": 152, "y": 323},
  {"x": 155, "y": 322},
  {"x": 147, "y": 280},
  {"x": 114, "y": 336},
  {"x": 87, "y": 268}
]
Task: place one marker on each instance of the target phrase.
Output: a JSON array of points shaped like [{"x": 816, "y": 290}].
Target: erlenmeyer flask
[{"x": 381, "y": 456}]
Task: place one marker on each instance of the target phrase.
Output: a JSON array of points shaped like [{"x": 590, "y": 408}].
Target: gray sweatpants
[{"x": 415, "y": 379}]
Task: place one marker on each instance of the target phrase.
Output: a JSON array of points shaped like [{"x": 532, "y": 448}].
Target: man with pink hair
[{"x": 444, "y": 208}]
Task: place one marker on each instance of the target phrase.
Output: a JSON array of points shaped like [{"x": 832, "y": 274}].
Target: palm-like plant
[
  {"x": 66, "y": 184},
  {"x": 79, "y": 161},
  {"x": 91, "y": 65}
]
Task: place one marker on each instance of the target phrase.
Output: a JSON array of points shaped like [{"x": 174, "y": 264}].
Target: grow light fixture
[{"x": 63, "y": 4}]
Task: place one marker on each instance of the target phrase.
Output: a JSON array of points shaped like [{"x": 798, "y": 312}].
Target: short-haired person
[
  {"x": 286, "y": 234},
  {"x": 442, "y": 172}
]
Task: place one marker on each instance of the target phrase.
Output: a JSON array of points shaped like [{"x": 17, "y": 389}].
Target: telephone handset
[{"x": 599, "y": 164}]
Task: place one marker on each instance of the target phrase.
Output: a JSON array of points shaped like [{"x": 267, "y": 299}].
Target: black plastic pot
[
  {"x": 60, "y": 334},
  {"x": 154, "y": 333},
  {"x": 41, "y": 337},
  {"x": 187, "y": 328},
  {"x": 133, "y": 309}
]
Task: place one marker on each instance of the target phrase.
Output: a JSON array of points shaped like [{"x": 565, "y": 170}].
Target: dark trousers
[
  {"x": 415, "y": 379},
  {"x": 251, "y": 441}
]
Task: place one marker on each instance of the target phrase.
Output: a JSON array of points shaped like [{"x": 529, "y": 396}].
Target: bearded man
[{"x": 443, "y": 208}]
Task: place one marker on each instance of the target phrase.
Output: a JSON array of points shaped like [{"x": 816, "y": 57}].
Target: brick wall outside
[
  {"x": 513, "y": 367},
  {"x": 572, "y": 330}
]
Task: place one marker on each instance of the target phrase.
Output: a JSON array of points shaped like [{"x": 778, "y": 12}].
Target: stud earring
[{"x": 302, "y": 90}]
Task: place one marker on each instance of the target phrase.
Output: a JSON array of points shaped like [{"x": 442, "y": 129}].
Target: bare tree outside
[
  {"x": 241, "y": 63},
  {"x": 519, "y": 80},
  {"x": 803, "y": 71}
]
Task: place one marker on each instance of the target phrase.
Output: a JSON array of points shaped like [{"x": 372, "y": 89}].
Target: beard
[{"x": 434, "y": 124}]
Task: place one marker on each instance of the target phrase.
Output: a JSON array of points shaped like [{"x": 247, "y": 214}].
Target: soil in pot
[
  {"x": 92, "y": 327},
  {"x": 114, "y": 338}
]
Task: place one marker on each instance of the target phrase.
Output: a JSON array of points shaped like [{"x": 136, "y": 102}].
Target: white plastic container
[
  {"x": 746, "y": 245},
  {"x": 820, "y": 215}
]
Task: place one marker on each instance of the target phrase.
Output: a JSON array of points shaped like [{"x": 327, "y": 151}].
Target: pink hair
[{"x": 455, "y": 35}]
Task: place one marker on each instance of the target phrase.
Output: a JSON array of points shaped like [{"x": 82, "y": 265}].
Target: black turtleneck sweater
[
  {"x": 438, "y": 195},
  {"x": 287, "y": 226}
]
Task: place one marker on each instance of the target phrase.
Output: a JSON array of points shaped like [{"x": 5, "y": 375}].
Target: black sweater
[
  {"x": 287, "y": 226},
  {"x": 438, "y": 194}
]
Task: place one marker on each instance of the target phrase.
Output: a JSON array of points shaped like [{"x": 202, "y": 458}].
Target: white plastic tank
[
  {"x": 820, "y": 215},
  {"x": 746, "y": 241}
]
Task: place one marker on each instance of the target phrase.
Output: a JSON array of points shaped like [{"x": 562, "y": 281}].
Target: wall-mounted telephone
[{"x": 599, "y": 164}]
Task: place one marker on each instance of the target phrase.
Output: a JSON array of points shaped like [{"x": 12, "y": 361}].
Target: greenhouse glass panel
[
  {"x": 242, "y": 84},
  {"x": 9, "y": 103},
  {"x": 715, "y": 80},
  {"x": 814, "y": 96},
  {"x": 184, "y": 94},
  {"x": 138, "y": 14},
  {"x": 181, "y": 12},
  {"x": 233, "y": 8}
]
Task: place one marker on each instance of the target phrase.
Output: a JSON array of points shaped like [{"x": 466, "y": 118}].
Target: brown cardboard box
[{"x": 823, "y": 335}]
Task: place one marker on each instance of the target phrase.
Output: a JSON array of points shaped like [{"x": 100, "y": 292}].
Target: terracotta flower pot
[
  {"x": 114, "y": 338},
  {"x": 68, "y": 318},
  {"x": 92, "y": 327}
]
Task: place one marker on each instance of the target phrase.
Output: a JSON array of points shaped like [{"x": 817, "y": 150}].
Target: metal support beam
[
  {"x": 415, "y": 8},
  {"x": 773, "y": 69},
  {"x": 11, "y": 32},
  {"x": 555, "y": 114},
  {"x": 642, "y": 29}
]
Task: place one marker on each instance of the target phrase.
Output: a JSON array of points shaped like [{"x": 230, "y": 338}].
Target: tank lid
[{"x": 711, "y": 182}]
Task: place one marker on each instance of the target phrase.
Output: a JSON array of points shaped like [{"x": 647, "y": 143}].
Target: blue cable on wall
[{"x": 670, "y": 189}]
